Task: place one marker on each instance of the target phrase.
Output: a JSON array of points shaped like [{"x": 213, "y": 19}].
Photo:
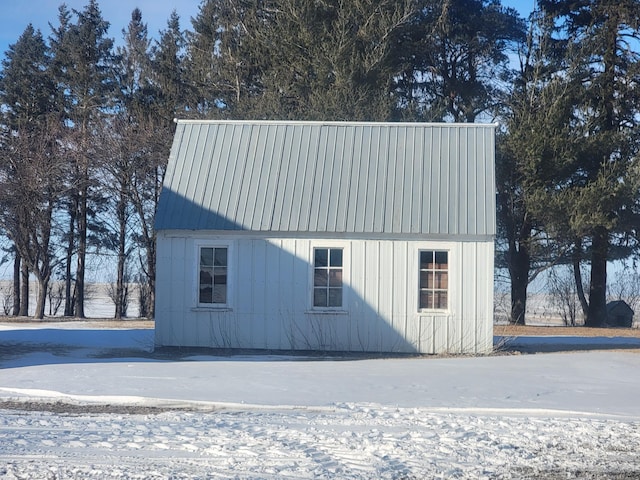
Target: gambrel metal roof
[{"x": 330, "y": 177}]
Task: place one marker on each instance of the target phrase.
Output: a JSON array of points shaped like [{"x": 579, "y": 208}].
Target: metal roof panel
[{"x": 342, "y": 177}]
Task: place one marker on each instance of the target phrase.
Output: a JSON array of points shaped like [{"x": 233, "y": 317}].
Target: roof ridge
[{"x": 335, "y": 123}]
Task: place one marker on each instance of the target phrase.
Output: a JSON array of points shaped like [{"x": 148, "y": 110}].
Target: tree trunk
[
  {"x": 151, "y": 245},
  {"x": 122, "y": 219},
  {"x": 151, "y": 267},
  {"x": 16, "y": 284},
  {"x": 69, "y": 301},
  {"x": 519, "y": 272},
  {"x": 24, "y": 296},
  {"x": 119, "y": 300},
  {"x": 519, "y": 262},
  {"x": 577, "y": 277},
  {"x": 82, "y": 251},
  {"x": 43, "y": 284},
  {"x": 597, "y": 311}
]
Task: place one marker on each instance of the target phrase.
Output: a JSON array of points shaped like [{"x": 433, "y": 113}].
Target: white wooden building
[{"x": 362, "y": 237}]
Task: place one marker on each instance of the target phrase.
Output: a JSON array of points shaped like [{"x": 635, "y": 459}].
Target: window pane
[
  {"x": 206, "y": 276},
  {"x": 320, "y": 277},
  {"x": 426, "y": 279},
  {"x": 441, "y": 260},
  {"x": 336, "y": 257},
  {"x": 219, "y": 294},
  {"x": 219, "y": 276},
  {"x": 335, "y": 278},
  {"x": 426, "y": 300},
  {"x": 220, "y": 257},
  {"x": 206, "y": 257},
  {"x": 426, "y": 259},
  {"x": 319, "y": 297},
  {"x": 440, "y": 299},
  {"x": 321, "y": 257},
  {"x": 206, "y": 294},
  {"x": 335, "y": 297},
  {"x": 441, "y": 280},
  {"x": 206, "y": 284},
  {"x": 423, "y": 280}
]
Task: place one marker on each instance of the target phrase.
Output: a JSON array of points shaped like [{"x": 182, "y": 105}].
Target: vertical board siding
[
  {"x": 469, "y": 287},
  {"x": 272, "y": 309},
  {"x": 270, "y": 298},
  {"x": 163, "y": 330},
  {"x": 401, "y": 294},
  {"x": 485, "y": 300},
  {"x": 455, "y": 330},
  {"x": 370, "y": 274}
]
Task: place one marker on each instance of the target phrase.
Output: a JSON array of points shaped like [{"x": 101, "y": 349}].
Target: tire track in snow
[{"x": 352, "y": 442}]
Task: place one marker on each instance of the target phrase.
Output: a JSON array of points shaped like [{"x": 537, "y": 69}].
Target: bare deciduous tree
[
  {"x": 32, "y": 189},
  {"x": 564, "y": 295}
]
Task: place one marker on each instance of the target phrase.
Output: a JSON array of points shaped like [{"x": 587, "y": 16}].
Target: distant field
[
  {"x": 97, "y": 302},
  {"x": 519, "y": 330},
  {"x": 137, "y": 323}
]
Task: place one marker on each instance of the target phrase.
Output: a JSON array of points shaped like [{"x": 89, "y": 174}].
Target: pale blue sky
[{"x": 16, "y": 15}]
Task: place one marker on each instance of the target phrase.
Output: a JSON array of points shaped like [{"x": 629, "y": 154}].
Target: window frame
[
  {"x": 420, "y": 270},
  {"x": 199, "y": 245},
  {"x": 328, "y": 245}
]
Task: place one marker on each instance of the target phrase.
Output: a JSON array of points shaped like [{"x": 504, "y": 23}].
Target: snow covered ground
[{"x": 77, "y": 402}]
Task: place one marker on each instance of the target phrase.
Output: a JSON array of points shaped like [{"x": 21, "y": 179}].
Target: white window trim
[
  {"x": 346, "y": 262},
  {"x": 197, "y": 306},
  {"x": 416, "y": 267}
]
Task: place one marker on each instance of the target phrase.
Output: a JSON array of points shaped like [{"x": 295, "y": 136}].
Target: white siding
[{"x": 270, "y": 297}]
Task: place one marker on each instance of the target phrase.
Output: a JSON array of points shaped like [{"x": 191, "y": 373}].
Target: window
[
  {"x": 213, "y": 275},
  {"x": 434, "y": 279},
  {"x": 327, "y": 277}
]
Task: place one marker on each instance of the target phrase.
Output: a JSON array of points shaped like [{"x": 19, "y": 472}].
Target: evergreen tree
[
  {"x": 168, "y": 92},
  {"x": 533, "y": 116},
  {"x": 224, "y": 63},
  {"x": 170, "y": 89},
  {"x": 122, "y": 143},
  {"x": 83, "y": 61},
  {"x": 334, "y": 60},
  {"x": 288, "y": 59},
  {"x": 456, "y": 57},
  {"x": 30, "y": 164},
  {"x": 594, "y": 190},
  {"x": 57, "y": 45}
]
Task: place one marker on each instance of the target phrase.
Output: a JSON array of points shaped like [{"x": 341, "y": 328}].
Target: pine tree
[
  {"x": 168, "y": 92},
  {"x": 32, "y": 170},
  {"x": 456, "y": 57},
  {"x": 170, "y": 88},
  {"x": 596, "y": 190},
  {"x": 121, "y": 144},
  {"x": 83, "y": 61},
  {"x": 224, "y": 63},
  {"x": 335, "y": 60},
  {"x": 533, "y": 116},
  {"x": 297, "y": 59}
]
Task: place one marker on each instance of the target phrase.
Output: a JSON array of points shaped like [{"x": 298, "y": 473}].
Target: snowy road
[
  {"x": 348, "y": 442},
  {"x": 552, "y": 416}
]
